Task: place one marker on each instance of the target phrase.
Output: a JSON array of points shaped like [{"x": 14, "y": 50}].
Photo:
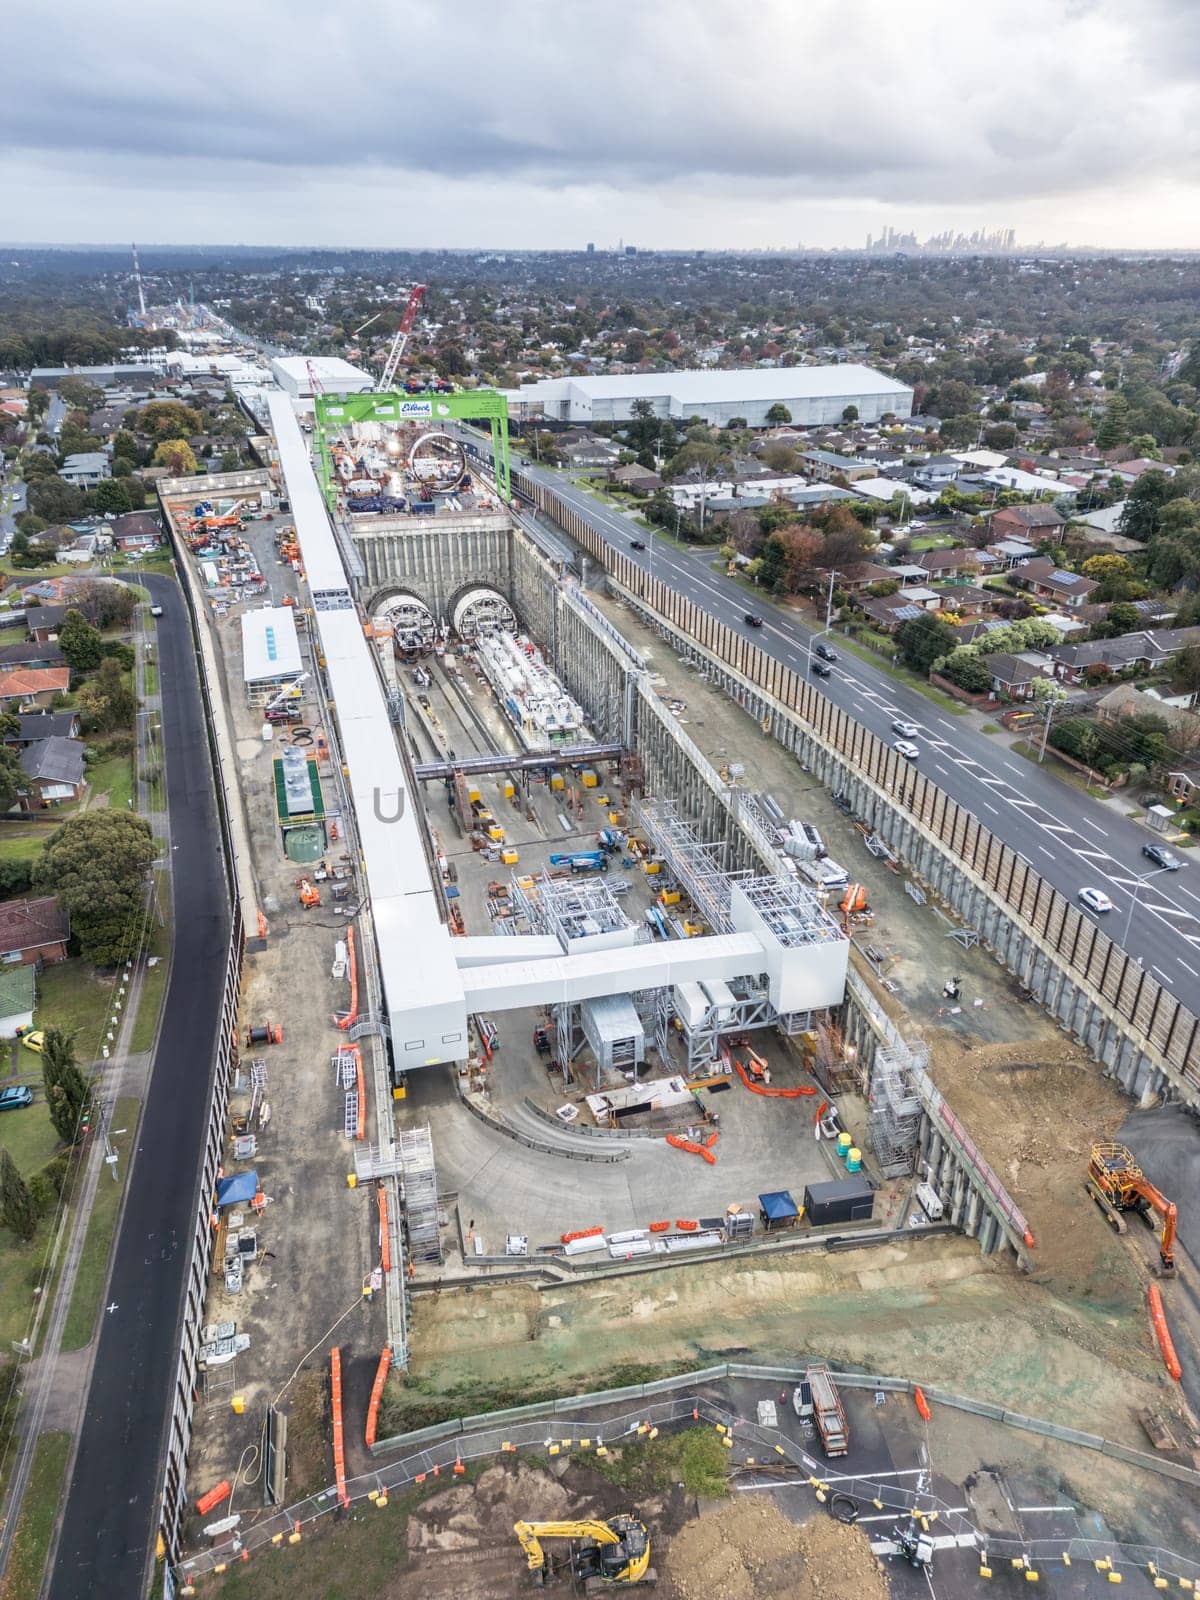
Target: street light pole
[{"x": 828, "y": 628}]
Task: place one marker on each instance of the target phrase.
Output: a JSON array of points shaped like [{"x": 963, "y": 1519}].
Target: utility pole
[{"x": 1052, "y": 704}]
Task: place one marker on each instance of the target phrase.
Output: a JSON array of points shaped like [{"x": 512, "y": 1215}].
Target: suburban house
[
  {"x": 1184, "y": 784},
  {"x": 1012, "y": 676},
  {"x": 86, "y": 469},
  {"x": 640, "y": 479},
  {"x": 37, "y": 725},
  {"x": 1049, "y": 582},
  {"x": 1031, "y": 523},
  {"x": 33, "y": 931},
  {"x": 887, "y": 612},
  {"x": 54, "y": 771},
  {"x": 1131, "y": 471},
  {"x": 22, "y": 687},
  {"x": 966, "y": 599},
  {"x": 43, "y": 622},
  {"x": 1010, "y": 551},
  {"x": 1137, "y": 651},
  {"x": 950, "y": 564},
  {"x": 1126, "y": 700},
  {"x": 30, "y": 653},
  {"x": 935, "y": 473},
  {"x": 824, "y": 465},
  {"x": 136, "y": 530}
]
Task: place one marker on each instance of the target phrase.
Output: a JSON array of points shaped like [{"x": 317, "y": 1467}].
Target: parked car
[
  {"x": 825, "y": 653},
  {"x": 906, "y": 730},
  {"x": 1162, "y": 857},
  {"x": 905, "y": 748},
  {"x": 752, "y": 619},
  {"x": 1095, "y": 899},
  {"x": 819, "y": 667},
  {"x": 15, "y": 1098}
]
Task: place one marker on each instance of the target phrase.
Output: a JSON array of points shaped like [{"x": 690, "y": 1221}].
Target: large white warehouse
[
  {"x": 812, "y": 395},
  {"x": 333, "y": 374}
]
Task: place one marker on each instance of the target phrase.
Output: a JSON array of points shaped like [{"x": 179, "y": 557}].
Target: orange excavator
[{"x": 1117, "y": 1184}]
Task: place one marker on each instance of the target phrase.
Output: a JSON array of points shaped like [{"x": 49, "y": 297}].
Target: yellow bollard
[
  {"x": 238, "y": 1404},
  {"x": 351, "y": 1180}
]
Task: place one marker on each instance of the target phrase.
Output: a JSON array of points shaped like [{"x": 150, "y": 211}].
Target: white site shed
[{"x": 270, "y": 646}]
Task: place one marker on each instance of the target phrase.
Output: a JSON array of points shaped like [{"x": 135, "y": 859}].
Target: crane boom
[
  {"x": 416, "y": 295},
  {"x": 137, "y": 273}
]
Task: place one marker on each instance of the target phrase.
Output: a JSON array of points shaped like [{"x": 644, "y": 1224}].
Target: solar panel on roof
[
  {"x": 1064, "y": 577},
  {"x": 272, "y": 648}
]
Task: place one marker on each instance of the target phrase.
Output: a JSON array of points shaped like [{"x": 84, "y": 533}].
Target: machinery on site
[
  {"x": 611, "y": 1554},
  {"x": 914, "y": 1542},
  {"x": 1117, "y": 1184}
]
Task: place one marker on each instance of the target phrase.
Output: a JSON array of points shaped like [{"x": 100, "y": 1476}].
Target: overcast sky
[{"x": 710, "y": 123}]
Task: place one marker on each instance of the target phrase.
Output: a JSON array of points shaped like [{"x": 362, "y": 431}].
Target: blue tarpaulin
[
  {"x": 240, "y": 1189},
  {"x": 778, "y": 1206}
]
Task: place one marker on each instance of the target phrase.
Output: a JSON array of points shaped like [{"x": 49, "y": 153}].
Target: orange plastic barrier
[
  {"x": 580, "y": 1233},
  {"x": 339, "y": 1442},
  {"x": 381, "y": 1372},
  {"x": 215, "y": 1495},
  {"x": 711, "y": 1140},
  {"x": 821, "y": 1110},
  {"x": 385, "y": 1243},
  {"x": 686, "y": 1225},
  {"x": 1163, "y": 1334},
  {"x": 769, "y": 1089},
  {"x": 704, "y": 1150},
  {"x": 362, "y": 1094},
  {"x": 921, "y": 1403},
  {"x": 659, "y": 1227},
  {"x": 1029, "y": 1239},
  {"x": 351, "y": 1016}
]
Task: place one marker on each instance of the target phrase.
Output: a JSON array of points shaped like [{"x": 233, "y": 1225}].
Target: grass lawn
[
  {"x": 72, "y": 995},
  {"x": 901, "y": 674},
  {"x": 1077, "y": 780},
  {"x": 696, "y": 1458},
  {"x": 114, "y": 777},
  {"x": 31, "y": 1543},
  {"x": 153, "y": 988},
  {"x": 19, "y": 843},
  {"x": 92, "y": 1276},
  {"x": 930, "y": 541},
  {"x": 151, "y": 678},
  {"x": 29, "y": 1135},
  {"x": 21, "y": 1269}
]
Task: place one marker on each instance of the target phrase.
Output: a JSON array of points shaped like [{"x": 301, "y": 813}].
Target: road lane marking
[
  {"x": 1094, "y": 825},
  {"x": 1186, "y": 968}
]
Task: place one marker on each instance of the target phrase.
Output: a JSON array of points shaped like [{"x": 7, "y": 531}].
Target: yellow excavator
[{"x": 613, "y": 1554}]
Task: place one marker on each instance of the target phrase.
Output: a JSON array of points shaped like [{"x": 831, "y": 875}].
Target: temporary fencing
[
  {"x": 772, "y": 1091},
  {"x": 591, "y": 1424},
  {"x": 351, "y": 1016}
]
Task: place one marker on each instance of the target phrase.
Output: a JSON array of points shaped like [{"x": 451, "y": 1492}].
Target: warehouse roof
[
  {"x": 270, "y": 647},
  {"x": 334, "y": 374},
  {"x": 748, "y": 383}
]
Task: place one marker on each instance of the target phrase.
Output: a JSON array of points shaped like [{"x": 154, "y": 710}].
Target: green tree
[
  {"x": 924, "y": 640},
  {"x": 79, "y": 642},
  {"x": 1114, "y": 425},
  {"x": 12, "y": 779},
  {"x": 230, "y": 461},
  {"x": 177, "y": 455},
  {"x": 779, "y": 413},
  {"x": 111, "y": 495},
  {"x": 168, "y": 419},
  {"x": 67, "y": 1091},
  {"x": 107, "y": 699},
  {"x": 849, "y": 414},
  {"x": 17, "y": 1209},
  {"x": 126, "y": 448},
  {"x": 96, "y": 864},
  {"x": 1143, "y": 504},
  {"x": 56, "y": 500}
]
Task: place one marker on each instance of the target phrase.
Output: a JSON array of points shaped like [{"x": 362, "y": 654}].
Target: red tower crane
[{"x": 416, "y": 295}]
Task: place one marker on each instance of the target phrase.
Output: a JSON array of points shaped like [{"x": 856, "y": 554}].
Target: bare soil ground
[{"x": 748, "y": 1550}]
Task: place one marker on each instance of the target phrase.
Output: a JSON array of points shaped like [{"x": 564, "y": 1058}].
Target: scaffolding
[
  {"x": 420, "y": 1195},
  {"x": 790, "y": 912},
  {"x": 894, "y": 1122},
  {"x": 570, "y": 909},
  {"x": 695, "y": 865}
]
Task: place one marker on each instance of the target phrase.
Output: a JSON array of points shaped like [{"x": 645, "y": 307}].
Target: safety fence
[
  {"x": 224, "y": 1068},
  {"x": 1095, "y": 960},
  {"x": 594, "y": 1424}
]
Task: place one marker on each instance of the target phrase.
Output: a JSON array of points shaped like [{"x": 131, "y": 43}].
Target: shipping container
[{"x": 839, "y": 1200}]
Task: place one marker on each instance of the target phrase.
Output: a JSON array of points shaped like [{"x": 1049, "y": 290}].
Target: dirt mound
[
  {"x": 467, "y": 1516},
  {"x": 1035, "y": 1110},
  {"x": 748, "y": 1550}
]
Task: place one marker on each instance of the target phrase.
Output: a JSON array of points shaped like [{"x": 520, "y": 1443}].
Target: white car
[
  {"x": 1095, "y": 899},
  {"x": 906, "y": 730},
  {"x": 905, "y": 748}
]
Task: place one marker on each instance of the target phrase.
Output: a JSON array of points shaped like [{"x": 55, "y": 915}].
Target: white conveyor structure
[{"x": 433, "y": 981}]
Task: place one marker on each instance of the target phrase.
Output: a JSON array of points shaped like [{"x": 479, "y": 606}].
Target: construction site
[{"x": 587, "y": 1038}]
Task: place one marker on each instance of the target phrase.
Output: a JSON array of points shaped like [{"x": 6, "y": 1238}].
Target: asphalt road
[
  {"x": 110, "y": 1519},
  {"x": 1071, "y": 839}
]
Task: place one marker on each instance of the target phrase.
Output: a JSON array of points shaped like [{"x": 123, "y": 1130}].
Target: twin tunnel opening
[{"x": 476, "y": 609}]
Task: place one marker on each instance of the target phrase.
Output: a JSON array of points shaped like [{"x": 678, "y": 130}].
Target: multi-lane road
[
  {"x": 111, "y": 1512},
  {"x": 1072, "y": 840}
]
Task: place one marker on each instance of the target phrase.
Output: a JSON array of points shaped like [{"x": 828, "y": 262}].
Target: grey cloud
[{"x": 950, "y": 104}]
